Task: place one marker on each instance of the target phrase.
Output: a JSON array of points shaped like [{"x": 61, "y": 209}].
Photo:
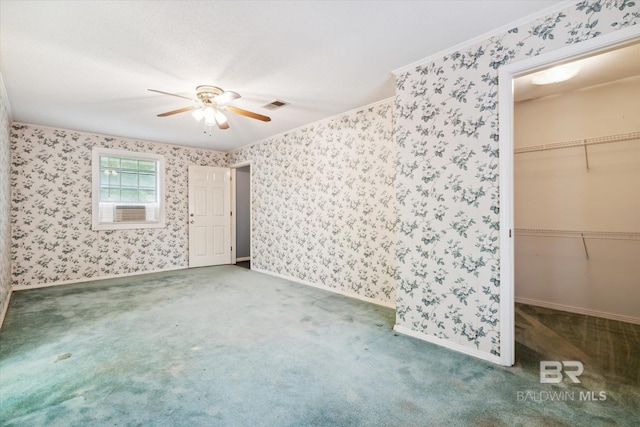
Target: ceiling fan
[{"x": 211, "y": 101}]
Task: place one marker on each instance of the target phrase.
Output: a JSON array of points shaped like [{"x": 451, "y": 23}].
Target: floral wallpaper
[
  {"x": 5, "y": 195},
  {"x": 52, "y": 240},
  {"x": 447, "y": 174},
  {"x": 323, "y": 203}
]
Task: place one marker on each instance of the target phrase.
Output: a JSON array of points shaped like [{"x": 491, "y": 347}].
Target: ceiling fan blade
[
  {"x": 226, "y": 97},
  {"x": 247, "y": 113},
  {"x": 173, "y": 94},
  {"x": 224, "y": 125},
  {"x": 181, "y": 110}
]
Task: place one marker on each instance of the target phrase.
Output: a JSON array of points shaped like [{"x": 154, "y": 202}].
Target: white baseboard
[
  {"x": 327, "y": 288},
  {"x": 5, "y": 308},
  {"x": 244, "y": 258},
  {"x": 448, "y": 344},
  {"x": 92, "y": 279},
  {"x": 578, "y": 310}
]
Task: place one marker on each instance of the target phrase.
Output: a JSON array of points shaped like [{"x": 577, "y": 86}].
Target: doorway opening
[
  {"x": 241, "y": 224},
  {"x": 510, "y": 228}
]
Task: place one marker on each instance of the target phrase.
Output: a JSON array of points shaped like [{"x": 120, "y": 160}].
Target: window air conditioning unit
[{"x": 130, "y": 214}]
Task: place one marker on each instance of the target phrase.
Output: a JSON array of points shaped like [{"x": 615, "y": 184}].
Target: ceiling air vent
[{"x": 275, "y": 105}]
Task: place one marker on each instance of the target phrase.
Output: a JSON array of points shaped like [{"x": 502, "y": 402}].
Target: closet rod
[
  {"x": 579, "y": 143},
  {"x": 609, "y": 235}
]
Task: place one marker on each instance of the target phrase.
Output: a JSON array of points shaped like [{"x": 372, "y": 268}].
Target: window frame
[{"x": 97, "y": 152}]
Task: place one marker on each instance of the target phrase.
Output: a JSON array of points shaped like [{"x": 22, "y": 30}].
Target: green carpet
[{"x": 232, "y": 347}]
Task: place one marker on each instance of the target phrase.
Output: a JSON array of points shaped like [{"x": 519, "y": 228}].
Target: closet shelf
[
  {"x": 580, "y": 143},
  {"x": 608, "y": 235}
]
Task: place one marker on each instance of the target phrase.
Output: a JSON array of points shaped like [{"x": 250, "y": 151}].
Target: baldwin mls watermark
[
  {"x": 554, "y": 372},
  {"x": 551, "y": 371}
]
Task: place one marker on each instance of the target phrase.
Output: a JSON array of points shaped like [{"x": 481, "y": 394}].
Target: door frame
[
  {"x": 506, "y": 75},
  {"x": 234, "y": 208}
]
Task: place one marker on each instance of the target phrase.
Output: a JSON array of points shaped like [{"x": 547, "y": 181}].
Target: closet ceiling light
[{"x": 555, "y": 74}]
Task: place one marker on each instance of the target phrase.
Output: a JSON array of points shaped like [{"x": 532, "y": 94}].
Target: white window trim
[{"x": 95, "y": 190}]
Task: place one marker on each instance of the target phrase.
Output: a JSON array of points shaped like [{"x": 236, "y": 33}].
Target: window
[{"x": 128, "y": 190}]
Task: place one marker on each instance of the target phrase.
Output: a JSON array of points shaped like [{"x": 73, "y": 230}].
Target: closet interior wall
[{"x": 555, "y": 190}]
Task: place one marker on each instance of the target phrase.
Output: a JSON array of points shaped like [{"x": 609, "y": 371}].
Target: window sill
[{"x": 126, "y": 225}]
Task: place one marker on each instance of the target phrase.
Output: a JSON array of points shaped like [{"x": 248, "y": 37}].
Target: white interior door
[{"x": 209, "y": 216}]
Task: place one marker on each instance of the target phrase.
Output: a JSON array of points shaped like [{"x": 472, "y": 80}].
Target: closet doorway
[
  {"x": 577, "y": 214},
  {"x": 576, "y": 192},
  {"x": 548, "y": 209}
]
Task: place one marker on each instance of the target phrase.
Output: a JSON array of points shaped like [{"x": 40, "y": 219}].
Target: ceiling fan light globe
[
  {"x": 209, "y": 115},
  {"x": 220, "y": 118},
  {"x": 198, "y": 114}
]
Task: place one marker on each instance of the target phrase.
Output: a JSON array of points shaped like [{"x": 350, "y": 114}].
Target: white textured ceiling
[{"x": 87, "y": 65}]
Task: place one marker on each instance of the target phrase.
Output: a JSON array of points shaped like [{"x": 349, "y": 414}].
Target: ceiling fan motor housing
[{"x": 206, "y": 93}]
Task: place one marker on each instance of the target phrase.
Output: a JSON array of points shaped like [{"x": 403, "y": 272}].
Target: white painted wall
[{"x": 553, "y": 190}]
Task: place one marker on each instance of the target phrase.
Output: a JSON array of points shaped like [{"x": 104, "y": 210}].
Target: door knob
[{"x": 192, "y": 222}]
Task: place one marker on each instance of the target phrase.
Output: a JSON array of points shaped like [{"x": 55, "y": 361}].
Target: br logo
[{"x": 551, "y": 371}]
